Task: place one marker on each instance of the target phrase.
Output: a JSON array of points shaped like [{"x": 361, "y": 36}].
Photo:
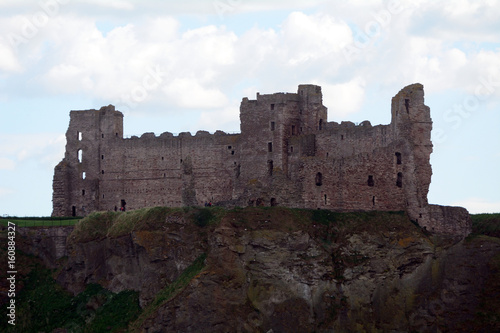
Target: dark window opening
[
  {"x": 73, "y": 211},
  {"x": 270, "y": 167},
  {"x": 420, "y": 215},
  {"x": 269, "y": 146},
  {"x": 229, "y": 147},
  {"x": 238, "y": 170},
  {"x": 102, "y": 157},
  {"x": 103, "y": 196},
  {"x": 302, "y": 92},
  {"x": 102, "y": 136},
  {"x": 398, "y": 158},
  {"x": 371, "y": 182},
  {"x": 83, "y": 192},
  {"x": 342, "y": 137},
  {"x": 399, "y": 181},
  {"x": 291, "y": 149},
  {"x": 232, "y": 152},
  {"x": 320, "y": 127},
  {"x": 407, "y": 105},
  {"x": 116, "y": 134},
  {"x": 293, "y": 129},
  {"x": 102, "y": 172},
  {"x": 162, "y": 158},
  {"x": 181, "y": 160},
  {"x": 373, "y": 200},
  {"x": 325, "y": 199},
  {"x": 122, "y": 205},
  {"x": 164, "y": 175},
  {"x": 319, "y": 179},
  {"x": 273, "y": 202},
  {"x": 272, "y": 106},
  {"x": 272, "y": 125}
]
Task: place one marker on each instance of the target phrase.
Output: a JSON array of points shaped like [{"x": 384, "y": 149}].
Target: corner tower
[
  {"x": 76, "y": 177},
  {"x": 412, "y": 124}
]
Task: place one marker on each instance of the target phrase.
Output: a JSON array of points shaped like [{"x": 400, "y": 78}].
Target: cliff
[{"x": 285, "y": 270}]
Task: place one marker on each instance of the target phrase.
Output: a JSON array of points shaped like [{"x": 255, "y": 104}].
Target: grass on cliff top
[
  {"x": 486, "y": 224},
  {"x": 114, "y": 224},
  {"x": 40, "y": 221}
]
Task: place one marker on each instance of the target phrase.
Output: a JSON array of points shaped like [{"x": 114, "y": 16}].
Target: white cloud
[
  {"x": 7, "y": 164},
  {"x": 344, "y": 98},
  {"x": 311, "y": 37},
  {"x": 8, "y": 61},
  {"x": 227, "y": 117},
  {"x": 189, "y": 93},
  {"x": 479, "y": 205},
  {"x": 46, "y": 149}
]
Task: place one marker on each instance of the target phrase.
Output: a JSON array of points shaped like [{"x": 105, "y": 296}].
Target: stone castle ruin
[{"x": 287, "y": 154}]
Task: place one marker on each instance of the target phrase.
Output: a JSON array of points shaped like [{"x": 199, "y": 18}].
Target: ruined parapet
[{"x": 446, "y": 220}]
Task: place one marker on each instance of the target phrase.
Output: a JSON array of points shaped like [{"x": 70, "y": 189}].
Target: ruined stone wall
[{"x": 287, "y": 154}]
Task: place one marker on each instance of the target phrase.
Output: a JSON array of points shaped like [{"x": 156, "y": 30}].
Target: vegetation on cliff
[{"x": 265, "y": 268}]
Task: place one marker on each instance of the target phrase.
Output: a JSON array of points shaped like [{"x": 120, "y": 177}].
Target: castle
[{"x": 286, "y": 154}]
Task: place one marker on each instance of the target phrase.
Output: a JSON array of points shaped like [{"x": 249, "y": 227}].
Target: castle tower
[
  {"x": 78, "y": 175},
  {"x": 313, "y": 115},
  {"x": 412, "y": 124}
]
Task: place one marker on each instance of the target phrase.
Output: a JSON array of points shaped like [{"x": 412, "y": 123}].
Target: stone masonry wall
[{"x": 287, "y": 154}]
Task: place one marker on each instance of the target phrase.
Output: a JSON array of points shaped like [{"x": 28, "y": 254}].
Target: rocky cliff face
[{"x": 288, "y": 271}]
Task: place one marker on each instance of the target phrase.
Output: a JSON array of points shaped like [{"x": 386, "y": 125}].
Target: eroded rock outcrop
[{"x": 289, "y": 271}]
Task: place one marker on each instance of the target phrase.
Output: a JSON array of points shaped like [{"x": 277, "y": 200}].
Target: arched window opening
[
  {"x": 79, "y": 135},
  {"x": 84, "y": 175},
  {"x": 371, "y": 182},
  {"x": 319, "y": 179},
  {"x": 398, "y": 158},
  {"x": 80, "y": 156},
  {"x": 399, "y": 181}
]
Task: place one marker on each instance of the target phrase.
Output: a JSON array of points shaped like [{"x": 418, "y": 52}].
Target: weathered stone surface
[
  {"x": 287, "y": 154},
  {"x": 276, "y": 269},
  {"x": 48, "y": 243}
]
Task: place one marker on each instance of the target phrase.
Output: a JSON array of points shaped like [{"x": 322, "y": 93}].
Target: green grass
[
  {"x": 486, "y": 224},
  {"x": 40, "y": 221},
  {"x": 43, "y": 306}
]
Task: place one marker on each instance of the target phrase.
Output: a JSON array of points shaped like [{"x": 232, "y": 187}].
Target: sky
[{"x": 185, "y": 66}]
